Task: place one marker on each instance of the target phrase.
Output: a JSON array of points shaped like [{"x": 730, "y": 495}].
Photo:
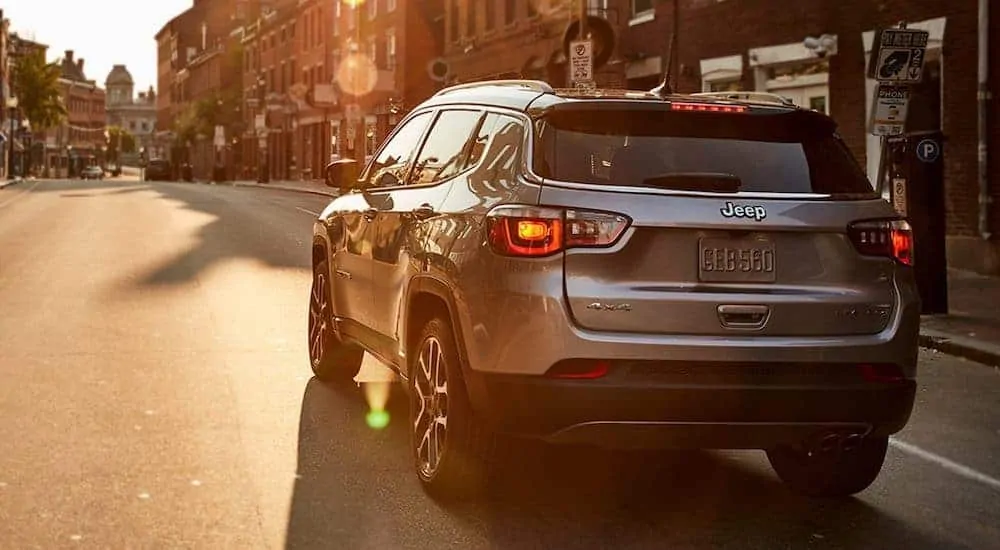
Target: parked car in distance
[
  {"x": 93, "y": 172},
  {"x": 159, "y": 170},
  {"x": 622, "y": 269}
]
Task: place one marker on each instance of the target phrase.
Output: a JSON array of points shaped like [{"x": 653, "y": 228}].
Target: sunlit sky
[{"x": 103, "y": 32}]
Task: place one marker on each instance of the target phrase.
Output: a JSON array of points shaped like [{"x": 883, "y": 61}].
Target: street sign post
[
  {"x": 896, "y": 61},
  {"x": 898, "y": 56},
  {"x": 581, "y": 62},
  {"x": 888, "y": 117},
  {"x": 352, "y": 111},
  {"x": 220, "y": 137}
]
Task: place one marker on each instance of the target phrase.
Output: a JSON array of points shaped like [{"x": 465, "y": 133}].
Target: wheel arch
[{"x": 427, "y": 297}]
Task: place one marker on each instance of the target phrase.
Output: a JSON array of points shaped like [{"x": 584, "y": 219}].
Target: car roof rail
[
  {"x": 755, "y": 97},
  {"x": 536, "y": 85}
]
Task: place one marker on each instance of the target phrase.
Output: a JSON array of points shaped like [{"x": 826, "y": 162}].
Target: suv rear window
[{"x": 787, "y": 152}]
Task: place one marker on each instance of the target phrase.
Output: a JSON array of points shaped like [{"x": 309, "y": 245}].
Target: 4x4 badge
[{"x": 731, "y": 210}]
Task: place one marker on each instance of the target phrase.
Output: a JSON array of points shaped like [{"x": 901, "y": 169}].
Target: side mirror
[{"x": 342, "y": 174}]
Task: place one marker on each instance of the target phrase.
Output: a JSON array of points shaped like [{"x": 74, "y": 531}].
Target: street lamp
[{"x": 12, "y": 107}]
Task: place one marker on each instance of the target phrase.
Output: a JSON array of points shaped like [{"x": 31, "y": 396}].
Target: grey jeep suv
[{"x": 623, "y": 269}]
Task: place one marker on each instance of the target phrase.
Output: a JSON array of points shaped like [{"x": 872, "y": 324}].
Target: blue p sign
[{"x": 928, "y": 150}]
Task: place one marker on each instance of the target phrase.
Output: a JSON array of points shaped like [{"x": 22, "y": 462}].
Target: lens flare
[
  {"x": 377, "y": 394},
  {"x": 353, "y": 3},
  {"x": 377, "y": 420},
  {"x": 357, "y": 74}
]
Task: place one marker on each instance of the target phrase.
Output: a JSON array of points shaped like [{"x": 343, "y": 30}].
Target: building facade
[
  {"x": 187, "y": 46},
  {"x": 324, "y": 78},
  {"x": 766, "y": 51},
  {"x": 133, "y": 113},
  {"x": 521, "y": 39},
  {"x": 80, "y": 140}
]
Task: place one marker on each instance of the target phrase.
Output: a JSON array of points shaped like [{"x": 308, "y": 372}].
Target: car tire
[
  {"x": 834, "y": 473},
  {"x": 463, "y": 446},
  {"x": 332, "y": 359}
]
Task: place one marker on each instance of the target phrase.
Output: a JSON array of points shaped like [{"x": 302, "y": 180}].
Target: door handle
[
  {"x": 423, "y": 211},
  {"x": 747, "y": 317},
  {"x": 371, "y": 213}
]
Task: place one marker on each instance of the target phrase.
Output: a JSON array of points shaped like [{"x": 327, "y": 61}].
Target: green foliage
[
  {"x": 199, "y": 119},
  {"x": 120, "y": 139},
  {"x": 36, "y": 85}
]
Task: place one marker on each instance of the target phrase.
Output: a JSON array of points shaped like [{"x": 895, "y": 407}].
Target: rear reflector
[
  {"x": 881, "y": 373},
  {"x": 708, "y": 107},
  {"x": 579, "y": 369}
]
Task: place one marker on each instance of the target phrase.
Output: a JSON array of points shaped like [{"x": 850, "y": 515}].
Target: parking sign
[{"x": 898, "y": 56}]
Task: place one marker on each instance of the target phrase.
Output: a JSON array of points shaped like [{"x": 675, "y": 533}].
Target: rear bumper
[{"x": 617, "y": 413}]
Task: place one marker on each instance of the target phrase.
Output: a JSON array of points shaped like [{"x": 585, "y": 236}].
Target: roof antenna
[{"x": 665, "y": 88}]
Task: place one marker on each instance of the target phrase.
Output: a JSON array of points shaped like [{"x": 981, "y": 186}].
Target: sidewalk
[
  {"x": 972, "y": 327},
  {"x": 6, "y": 182}
]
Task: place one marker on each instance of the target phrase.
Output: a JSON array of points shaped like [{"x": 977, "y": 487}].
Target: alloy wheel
[
  {"x": 318, "y": 319},
  {"x": 430, "y": 402}
]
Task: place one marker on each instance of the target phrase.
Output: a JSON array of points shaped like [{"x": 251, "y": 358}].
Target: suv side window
[
  {"x": 446, "y": 148},
  {"x": 389, "y": 168},
  {"x": 500, "y": 148}
]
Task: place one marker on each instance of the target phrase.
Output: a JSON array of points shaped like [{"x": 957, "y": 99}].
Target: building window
[
  {"x": 470, "y": 13},
  {"x": 291, "y": 72},
  {"x": 532, "y": 8},
  {"x": 390, "y": 5},
  {"x": 723, "y": 85},
  {"x": 642, "y": 7},
  {"x": 372, "y": 8},
  {"x": 373, "y": 50},
  {"x": 509, "y": 11},
  {"x": 453, "y": 14},
  {"x": 490, "y": 15},
  {"x": 352, "y": 17},
  {"x": 390, "y": 50}
]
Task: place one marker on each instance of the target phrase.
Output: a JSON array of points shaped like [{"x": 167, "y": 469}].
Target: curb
[
  {"x": 8, "y": 183},
  {"x": 960, "y": 346}
]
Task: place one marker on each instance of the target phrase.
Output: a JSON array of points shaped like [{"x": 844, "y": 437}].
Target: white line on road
[
  {"x": 22, "y": 191},
  {"x": 950, "y": 465},
  {"x": 307, "y": 211}
]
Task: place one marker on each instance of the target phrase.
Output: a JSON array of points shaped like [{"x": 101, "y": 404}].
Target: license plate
[{"x": 736, "y": 261}]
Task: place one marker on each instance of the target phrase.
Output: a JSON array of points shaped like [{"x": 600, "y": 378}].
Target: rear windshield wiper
[{"x": 713, "y": 182}]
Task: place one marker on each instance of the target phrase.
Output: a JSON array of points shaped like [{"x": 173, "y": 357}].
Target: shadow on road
[
  {"x": 357, "y": 490},
  {"x": 242, "y": 225}
]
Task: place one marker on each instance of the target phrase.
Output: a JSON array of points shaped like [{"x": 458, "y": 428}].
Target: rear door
[
  {"x": 738, "y": 222},
  {"x": 404, "y": 210}
]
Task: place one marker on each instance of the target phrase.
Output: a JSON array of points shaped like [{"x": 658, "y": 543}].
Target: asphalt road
[{"x": 155, "y": 393}]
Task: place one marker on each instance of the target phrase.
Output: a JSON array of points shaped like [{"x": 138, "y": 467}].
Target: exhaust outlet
[
  {"x": 829, "y": 443},
  {"x": 850, "y": 443}
]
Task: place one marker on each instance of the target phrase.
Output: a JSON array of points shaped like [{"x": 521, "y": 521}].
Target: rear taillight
[
  {"x": 886, "y": 238},
  {"x": 539, "y": 231},
  {"x": 707, "y": 107}
]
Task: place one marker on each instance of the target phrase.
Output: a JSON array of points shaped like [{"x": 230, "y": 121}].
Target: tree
[
  {"x": 119, "y": 140},
  {"x": 36, "y": 85}
]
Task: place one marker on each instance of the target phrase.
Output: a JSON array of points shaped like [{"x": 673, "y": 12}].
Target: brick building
[
  {"x": 520, "y": 39},
  {"x": 190, "y": 65},
  {"x": 305, "y": 62},
  {"x": 79, "y": 141},
  {"x": 762, "y": 49}
]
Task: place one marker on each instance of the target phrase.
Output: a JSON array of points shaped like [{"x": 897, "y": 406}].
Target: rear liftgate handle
[{"x": 745, "y": 317}]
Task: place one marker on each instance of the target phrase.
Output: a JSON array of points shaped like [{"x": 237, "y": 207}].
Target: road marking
[
  {"x": 950, "y": 465},
  {"x": 307, "y": 211},
  {"x": 10, "y": 200}
]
